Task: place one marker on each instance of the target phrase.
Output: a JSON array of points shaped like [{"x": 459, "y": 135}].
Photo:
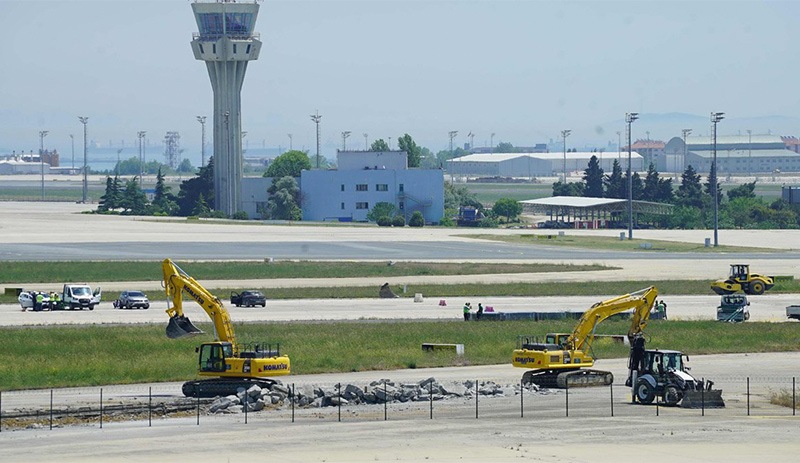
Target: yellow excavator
[
  {"x": 230, "y": 365},
  {"x": 563, "y": 360}
]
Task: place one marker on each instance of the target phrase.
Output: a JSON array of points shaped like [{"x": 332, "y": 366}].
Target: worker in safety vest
[
  {"x": 54, "y": 300},
  {"x": 38, "y": 305},
  {"x": 467, "y": 308}
]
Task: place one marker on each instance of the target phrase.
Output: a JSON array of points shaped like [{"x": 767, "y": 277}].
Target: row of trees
[{"x": 693, "y": 199}]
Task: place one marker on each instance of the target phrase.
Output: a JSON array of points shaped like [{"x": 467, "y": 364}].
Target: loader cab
[
  {"x": 659, "y": 362},
  {"x": 213, "y": 355}
]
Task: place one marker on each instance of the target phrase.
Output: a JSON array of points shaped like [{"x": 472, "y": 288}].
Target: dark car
[
  {"x": 248, "y": 299},
  {"x": 132, "y": 300}
]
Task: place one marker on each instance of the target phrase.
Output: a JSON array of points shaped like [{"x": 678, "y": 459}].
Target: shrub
[
  {"x": 384, "y": 221},
  {"x": 240, "y": 215},
  {"x": 488, "y": 222},
  {"x": 399, "y": 221},
  {"x": 416, "y": 220}
]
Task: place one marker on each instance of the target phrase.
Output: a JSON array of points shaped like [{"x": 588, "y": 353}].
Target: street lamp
[
  {"x": 629, "y": 118},
  {"x": 72, "y": 139},
  {"x": 685, "y": 152},
  {"x": 141, "y": 135},
  {"x": 290, "y": 141},
  {"x": 85, "y": 120},
  {"x": 471, "y": 140},
  {"x": 715, "y": 117},
  {"x": 366, "y": 141},
  {"x": 117, "y": 168},
  {"x": 345, "y": 136},
  {"x": 491, "y": 142},
  {"x": 316, "y": 118},
  {"x": 564, "y": 135},
  {"x": 202, "y": 121},
  {"x": 42, "y": 134},
  {"x": 452, "y": 134},
  {"x": 619, "y": 145}
]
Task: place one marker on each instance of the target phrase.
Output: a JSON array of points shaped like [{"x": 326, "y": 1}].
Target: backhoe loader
[
  {"x": 230, "y": 364},
  {"x": 565, "y": 364}
]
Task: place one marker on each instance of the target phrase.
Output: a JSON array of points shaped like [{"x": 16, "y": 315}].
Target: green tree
[
  {"x": 651, "y": 182},
  {"x": 193, "y": 188},
  {"x": 709, "y": 186},
  {"x": 665, "y": 191},
  {"x": 381, "y": 209},
  {"x": 288, "y": 164},
  {"x": 568, "y": 189},
  {"x": 504, "y": 147},
  {"x": 133, "y": 200},
  {"x": 284, "y": 200},
  {"x": 690, "y": 192},
  {"x": 185, "y": 166},
  {"x": 593, "y": 178},
  {"x": 508, "y": 208},
  {"x": 428, "y": 160},
  {"x": 742, "y": 191},
  {"x": 416, "y": 220},
  {"x": 457, "y": 196},
  {"x": 201, "y": 208},
  {"x": 163, "y": 200},
  {"x": 379, "y": 145},
  {"x": 615, "y": 183},
  {"x": 111, "y": 198},
  {"x": 637, "y": 187},
  {"x": 407, "y": 144}
]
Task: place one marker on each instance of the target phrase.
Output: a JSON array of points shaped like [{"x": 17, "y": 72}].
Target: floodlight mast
[{"x": 629, "y": 118}]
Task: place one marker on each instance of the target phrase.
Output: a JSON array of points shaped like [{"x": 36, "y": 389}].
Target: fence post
[
  {"x": 430, "y": 396},
  {"x": 339, "y": 386},
  {"x": 611, "y": 388},
  {"x": 521, "y": 400},
  {"x": 703, "y": 399},
  {"x": 51, "y": 410},
  {"x": 748, "y": 396},
  {"x": 476, "y": 398},
  {"x": 291, "y": 400},
  {"x": 657, "y": 407},
  {"x": 385, "y": 403},
  {"x": 101, "y": 408},
  {"x": 793, "y": 399},
  {"x": 1, "y": 411},
  {"x": 566, "y": 401},
  {"x": 246, "y": 404},
  {"x": 197, "y": 394},
  {"x": 150, "y": 406}
]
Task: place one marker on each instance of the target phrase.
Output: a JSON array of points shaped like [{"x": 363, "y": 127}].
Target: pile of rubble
[{"x": 377, "y": 392}]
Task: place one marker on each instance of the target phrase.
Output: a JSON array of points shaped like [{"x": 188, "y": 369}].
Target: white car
[{"x": 26, "y": 300}]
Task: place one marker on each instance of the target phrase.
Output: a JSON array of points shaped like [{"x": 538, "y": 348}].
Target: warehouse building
[
  {"x": 536, "y": 164},
  {"x": 736, "y": 154}
]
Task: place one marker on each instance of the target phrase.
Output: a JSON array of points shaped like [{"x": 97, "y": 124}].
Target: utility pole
[
  {"x": 471, "y": 140},
  {"x": 452, "y": 134},
  {"x": 85, "y": 120},
  {"x": 715, "y": 118},
  {"x": 564, "y": 135},
  {"x": 345, "y": 136},
  {"x": 685, "y": 132},
  {"x": 629, "y": 118},
  {"x": 316, "y": 118},
  {"x": 141, "y": 135},
  {"x": 202, "y": 121},
  {"x": 42, "y": 134}
]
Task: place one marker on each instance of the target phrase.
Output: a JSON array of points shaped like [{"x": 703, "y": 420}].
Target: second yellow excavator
[
  {"x": 564, "y": 360},
  {"x": 230, "y": 364}
]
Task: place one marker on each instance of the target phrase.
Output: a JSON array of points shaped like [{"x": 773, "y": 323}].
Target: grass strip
[
  {"x": 60, "y": 272},
  {"x": 62, "y": 356},
  {"x": 614, "y": 243}
]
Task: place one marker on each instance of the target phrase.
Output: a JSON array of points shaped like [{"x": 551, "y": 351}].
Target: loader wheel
[
  {"x": 672, "y": 396},
  {"x": 757, "y": 288},
  {"x": 645, "y": 393}
]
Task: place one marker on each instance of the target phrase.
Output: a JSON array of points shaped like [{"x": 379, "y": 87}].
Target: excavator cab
[{"x": 213, "y": 355}]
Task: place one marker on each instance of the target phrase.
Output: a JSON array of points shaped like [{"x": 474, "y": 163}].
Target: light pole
[
  {"x": 564, "y": 135},
  {"x": 290, "y": 141},
  {"x": 471, "y": 140},
  {"x": 491, "y": 142},
  {"x": 345, "y": 136},
  {"x": 117, "y": 168},
  {"x": 619, "y": 145},
  {"x": 141, "y": 135},
  {"x": 42, "y": 134},
  {"x": 452, "y": 134},
  {"x": 202, "y": 121},
  {"x": 715, "y": 117},
  {"x": 629, "y": 118},
  {"x": 316, "y": 118},
  {"x": 366, "y": 141},
  {"x": 72, "y": 139},
  {"x": 685, "y": 132},
  {"x": 749, "y": 149},
  {"x": 85, "y": 120}
]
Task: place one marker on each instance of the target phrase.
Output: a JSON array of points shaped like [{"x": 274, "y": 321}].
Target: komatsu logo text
[{"x": 194, "y": 295}]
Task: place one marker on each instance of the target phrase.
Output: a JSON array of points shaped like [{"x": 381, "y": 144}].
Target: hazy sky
[{"x": 522, "y": 69}]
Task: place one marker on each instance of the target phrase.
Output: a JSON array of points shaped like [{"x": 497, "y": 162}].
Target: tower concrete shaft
[{"x": 226, "y": 42}]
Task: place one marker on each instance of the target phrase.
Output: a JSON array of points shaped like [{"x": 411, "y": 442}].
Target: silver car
[{"x": 132, "y": 300}]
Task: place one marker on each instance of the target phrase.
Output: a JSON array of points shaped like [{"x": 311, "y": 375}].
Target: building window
[
  {"x": 234, "y": 48},
  {"x": 401, "y": 188},
  {"x": 381, "y": 187},
  {"x": 201, "y": 47},
  {"x": 248, "y": 49},
  {"x": 363, "y": 205},
  {"x": 342, "y": 186},
  {"x": 342, "y": 206},
  {"x": 362, "y": 187}
]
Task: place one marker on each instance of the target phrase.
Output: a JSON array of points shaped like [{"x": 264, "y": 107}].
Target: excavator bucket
[
  {"x": 709, "y": 398},
  {"x": 180, "y": 326}
]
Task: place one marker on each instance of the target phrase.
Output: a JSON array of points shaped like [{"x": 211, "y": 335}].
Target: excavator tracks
[
  {"x": 222, "y": 386},
  {"x": 561, "y": 379}
]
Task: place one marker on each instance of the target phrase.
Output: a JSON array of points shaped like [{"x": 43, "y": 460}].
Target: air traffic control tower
[{"x": 226, "y": 43}]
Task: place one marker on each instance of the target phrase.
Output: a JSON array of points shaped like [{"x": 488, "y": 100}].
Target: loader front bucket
[
  {"x": 710, "y": 398},
  {"x": 180, "y": 326}
]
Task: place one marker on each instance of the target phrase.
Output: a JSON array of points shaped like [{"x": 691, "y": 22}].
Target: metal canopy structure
[{"x": 578, "y": 209}]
